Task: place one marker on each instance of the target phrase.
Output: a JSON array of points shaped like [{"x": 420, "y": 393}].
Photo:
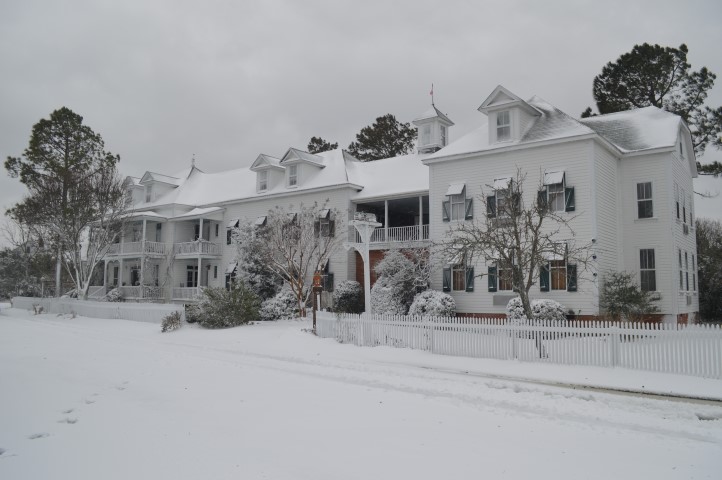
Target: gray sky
[{"x": 227, "y": 80}]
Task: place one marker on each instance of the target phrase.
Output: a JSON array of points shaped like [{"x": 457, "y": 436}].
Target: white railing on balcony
[
  {"x": 152, "y": 248},
  {"x": 199, "y": 247},
  {"x": 185, "y": 293},
  {"x": 145, "y": 292},
  {"x": 410, "y": 234}
]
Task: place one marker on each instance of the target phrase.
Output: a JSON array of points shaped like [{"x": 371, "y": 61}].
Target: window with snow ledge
[
  {"x": 503, "y": 126},
  {"x": 148, "y": 193},
  {"x": 263, "y": 180}
]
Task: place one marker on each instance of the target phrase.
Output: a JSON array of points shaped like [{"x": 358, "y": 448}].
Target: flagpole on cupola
[{"x": 432, "y": 95}]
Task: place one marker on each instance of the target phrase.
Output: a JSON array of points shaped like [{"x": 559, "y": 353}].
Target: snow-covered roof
[
  {"x": 134, "y": 181},
  {"x": 264, "y": 161},
  {"x": 294, "y": 154},
  {"x": 640, "y": 129},
  {"x": 432, "y": 112},
  {"x": 197, "y": 213},
  {"x": 389, "y": 177},
  {"x": 159, "y": 177}
]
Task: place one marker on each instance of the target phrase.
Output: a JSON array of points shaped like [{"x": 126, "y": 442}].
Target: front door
[{"x": 192, "y": 276}]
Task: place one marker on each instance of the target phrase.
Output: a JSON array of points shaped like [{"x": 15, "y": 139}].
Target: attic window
[
  {"x": 292, "y": 175},
  {"x": 443, "y": 135},
  {"x": 263, "y": 180},
  {"x": 503, "y": 126},
  {"x": 148, "y": 192}
]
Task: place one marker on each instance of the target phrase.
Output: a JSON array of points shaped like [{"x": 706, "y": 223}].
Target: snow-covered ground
[{"x": 88, "y": 398}]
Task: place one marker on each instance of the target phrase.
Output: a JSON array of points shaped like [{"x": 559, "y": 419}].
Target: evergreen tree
[
  {"x": 72, "y": 183},
  {"x": 709, "y": 267},
  {"x": 652, "y": 75},
  {"x": 318, "y": 145},
  {"x": 386, "y": 138}
]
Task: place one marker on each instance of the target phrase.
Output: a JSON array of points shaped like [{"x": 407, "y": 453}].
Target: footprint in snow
[
  {"x": 35, "y": 436},
  {"x": 68, "y": 420},
  {"x": 88, "y": 401},
  {"x": 70, "y": 410},
  {"x": 122, "y": 385}
]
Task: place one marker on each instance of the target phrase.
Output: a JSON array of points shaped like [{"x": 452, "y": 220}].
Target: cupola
[{"x": 432, "y": 130}]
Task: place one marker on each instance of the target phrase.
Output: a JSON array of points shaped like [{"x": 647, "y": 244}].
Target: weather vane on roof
[
  {"x": 193, "y": 161},
  {"x": 432, "y": 95}
]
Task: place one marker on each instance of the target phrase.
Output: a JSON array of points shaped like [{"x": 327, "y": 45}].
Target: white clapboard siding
[{"x": 689, "y": 350}]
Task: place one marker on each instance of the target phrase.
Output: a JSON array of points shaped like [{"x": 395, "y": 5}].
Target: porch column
[
  {"x": 421, "y": 217},
  {"x": 142, "y": 258},
  {"x": 386, "y": 220},
  {"x": 120, "y": 273},
  {"x": 105, "y": 275},
  {"x": 198, "y": 279}
]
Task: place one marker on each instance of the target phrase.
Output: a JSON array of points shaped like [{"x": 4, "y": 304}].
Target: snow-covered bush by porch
[
  {"x": 543, "y": 309},
  {"x": 282, "y": 306},
  {"x": 115, "y": 295},
  {"x": 395, "y": 287},
  {"x": 386, "y": 300},
  {"x": 348, "y": 297},
  {"x": 433, "y": 303},
  {"x": 221, "y": 308}
]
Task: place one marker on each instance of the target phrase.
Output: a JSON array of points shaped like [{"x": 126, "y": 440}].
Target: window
[
  {"x": 442, "y": 130},
  {"x": 505, "y": 276},
  {"x": 558, "y": 274},
  {"x": 679, "y": 256},
  {"x": 686, "y": 271},
  {"x": 192, "y": 276},
  {"x": 503, "y": 126},
  {"x": 325, "y": 226},
  {"x": 215, "y": 271},
  {"x": 676, "y": 198},
  {"x": 644, "y": 200},
  {"x": 158, "y": 227},
  {"x": 262, "y": 180},
  {"x": 555, "y": 197},
  {"x": 216, "y": 230},
  {"x": 458, "y": 276},
  {"x": 229, "y": 236},
  {"x": 292, "y": 175},
  {"x": 647, "y": 275},
  {"x": 694, "y": 275},
  {"x": 684, "y": 205},
  {"x": 148, "y": 192},
  {"x": 681, "y": 151},
  {"x": 457, "y": 207},
  {"x": 425, "y": 134},
  {"x": 499, "y": 204}
]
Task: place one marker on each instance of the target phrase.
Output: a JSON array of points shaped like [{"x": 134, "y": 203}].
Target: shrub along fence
[
  {"x": 689, "y": 350},
  {"x": 139, "y": 312}
]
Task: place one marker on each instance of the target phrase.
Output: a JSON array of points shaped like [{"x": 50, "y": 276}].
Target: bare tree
[
  {"x": 298, "y": 243},
  {"x": 521, "y": 237},
  {"x": 91, "y": 230}
]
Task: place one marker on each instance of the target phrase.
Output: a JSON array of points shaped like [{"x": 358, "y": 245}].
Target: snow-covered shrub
[
  {"x": 253, "y": 267},
  {"x": 386, "y": 300},
  {"x": 542, "y": 310},
  {"x": 171, "y": 322},
  {"x": 283, "y": 306},
  {"x": 221, "y": 308},
  {"x": 348, "y": 297},
  {"x": 193, "y": 313},
  {"x": 115, "y": 295},
  {"x": 433, "y": 303},
  {"x": 548, "y": 310}
]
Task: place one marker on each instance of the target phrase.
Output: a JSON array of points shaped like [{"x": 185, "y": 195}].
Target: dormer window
[
  {"x": 503, "y": 126},
  {"x": 292, "y": 175},
  {"x": 148, "y": 193},
  {"x": 263, "y": 180}
]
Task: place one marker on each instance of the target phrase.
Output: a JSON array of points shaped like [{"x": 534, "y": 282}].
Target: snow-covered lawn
[{"x": 88, "y": 398}]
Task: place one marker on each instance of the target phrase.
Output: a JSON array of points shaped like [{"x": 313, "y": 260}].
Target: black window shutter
[
  {"x": 228, "y": 236},
  {"x": 541, "y": 199},
  {"x": 571, "y": 278},
  {"x": 469, "y": 211},
  {"x": 445, "y": 211},
  {"x": 491, "y": 206},
  {"x": 332, "y": 228},
  {"x": 544, "y": 278},
  {"x": 469, "y": 279},
  {"x": 328, "y": 282},
  {"x": 569, "y": 199},
  {"x": 447, "y": 279},
  {"x": 492, "y": 279},
  {"x": 316, "y": 228}
]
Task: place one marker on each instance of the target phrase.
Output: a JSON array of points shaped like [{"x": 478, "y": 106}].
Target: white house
[
  {"x": 627, "y": 178},
  {"x": 624, "y": 180}
]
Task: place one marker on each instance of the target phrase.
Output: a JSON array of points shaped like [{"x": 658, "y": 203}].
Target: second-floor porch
[{"x": 405, "y": 222}]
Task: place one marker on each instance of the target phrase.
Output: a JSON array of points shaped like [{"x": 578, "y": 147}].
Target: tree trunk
[{"x": 58, "y": 269}]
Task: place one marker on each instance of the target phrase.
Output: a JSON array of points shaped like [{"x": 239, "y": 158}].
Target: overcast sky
[{"x": 227, "y": 80}]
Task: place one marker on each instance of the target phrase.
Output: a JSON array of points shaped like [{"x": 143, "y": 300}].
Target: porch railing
[
  {"x": 185, "y": 293},
  {"x": 409, "y": 234},
  {"x": 142, "y": 292},
  {"x": 199, "y": 247},
  {"x": 96, "y": 291},
  {"x": 152, "y": 248}
]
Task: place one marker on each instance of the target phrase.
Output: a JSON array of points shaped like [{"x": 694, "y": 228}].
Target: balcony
[
  {"x": 398, "y": 236},
  {"x": 137, "y": 248},
  {"x": 197, "y": 248}
]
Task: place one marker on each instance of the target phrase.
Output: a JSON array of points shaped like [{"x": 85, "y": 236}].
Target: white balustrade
[
  {"x": 408, "y": 234},
  {"x": 199, "y": 247}
]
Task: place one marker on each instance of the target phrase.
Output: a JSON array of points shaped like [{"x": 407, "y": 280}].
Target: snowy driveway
[{"x": 88, "y": 399}]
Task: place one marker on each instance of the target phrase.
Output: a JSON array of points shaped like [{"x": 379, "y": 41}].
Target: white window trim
[
  {"x": 456, "y": 267},
  {"x": 639, "y": 256},
  {"x": 638, "y": 200},
  {"x": 461, "y": 196},
  {"x": 443, "y": 132},
  {"x": 292, "y": 174},
  {"x": 262, "y": 184},
  {"x": 503, "y": 125}
]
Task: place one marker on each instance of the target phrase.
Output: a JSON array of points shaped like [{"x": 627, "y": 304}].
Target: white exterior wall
[
  {"x": 609, "y": 245},
  {"x": 341, "y": 263},
  {"x": 575, "y": 158}
]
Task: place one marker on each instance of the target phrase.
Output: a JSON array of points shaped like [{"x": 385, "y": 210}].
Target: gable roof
[
  {"x": 503, "y": 98},
  {"x": 264, "y": 161},
  {"x": 158, "y": 177},
  {"x": 294, "y": 154}
]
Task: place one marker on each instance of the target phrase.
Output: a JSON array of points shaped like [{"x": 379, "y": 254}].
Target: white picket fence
[
  {"x": 139, "y": 312},
  {"x": 689, "y": 350}
]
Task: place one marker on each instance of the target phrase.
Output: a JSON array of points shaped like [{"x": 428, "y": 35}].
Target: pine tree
[
  {"x": 318, "y": 145},
  {"x": 652, "y": 75},
  {"x": 386, "y": 138}
]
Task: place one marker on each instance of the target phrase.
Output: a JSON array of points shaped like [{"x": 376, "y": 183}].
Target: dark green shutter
[
  {"x": 544, "y": 278},
  {"x": 469, "y": 210},
  {"x": 569, "y": 199},
  {"x": 469, "y": 279},
  {"x": 332, "y": 228},
  {"x": 571, "y": 278},
  {"x": 445, "y": 214},
  {"x": 447, "y": 279},
  {"x": 328, "y": 282},
  {"x": 541, "y": 199},
  {"x": 228, "y": 236},
  {"x": 491, "y": 206},
  {"x": 492, "y": 279}
]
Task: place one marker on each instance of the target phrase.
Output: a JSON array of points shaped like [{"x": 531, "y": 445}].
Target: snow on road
[{"x": 89, "y": 398}]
